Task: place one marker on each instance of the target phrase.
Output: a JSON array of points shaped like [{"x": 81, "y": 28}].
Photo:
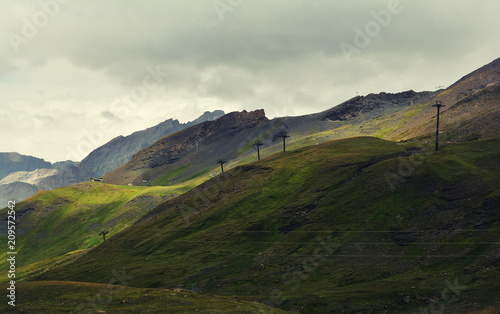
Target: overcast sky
[{"x": 75, "y": 74}]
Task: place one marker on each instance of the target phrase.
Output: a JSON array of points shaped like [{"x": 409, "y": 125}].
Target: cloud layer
[{"x": 69, "y": 67}]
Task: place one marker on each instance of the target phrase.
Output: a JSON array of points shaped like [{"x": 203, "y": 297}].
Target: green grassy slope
[
  {"x": 56, "y": 222},
  {"x": 471, "y": 111},
  {"x": 353, "y": 225},
  {"x": 77, "y": 297},
  {"x": 473, "y": 117},
  {"x": 24, "y": 271}
]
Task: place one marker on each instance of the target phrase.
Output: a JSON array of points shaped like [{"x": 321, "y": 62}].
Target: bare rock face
[
  {"x": 241, "y": 120},
  {"x": 372, "y": 105},
  {"x": 195, "y": 148},
  {"x": 204, "y": 134}
]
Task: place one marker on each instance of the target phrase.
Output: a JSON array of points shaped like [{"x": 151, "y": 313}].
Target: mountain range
[
  {"x": 119, "y": 150},
  {"x": 25, "y": 175},
  {"x": 471, "y": 112},
  {"x": 360, "y": 214},
  {"x": 12, "y": 162}
]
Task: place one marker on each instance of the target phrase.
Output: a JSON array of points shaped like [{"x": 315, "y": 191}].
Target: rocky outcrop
[
  {"x": 205, "y": 134},
  {"x": 373, "y": 105}
]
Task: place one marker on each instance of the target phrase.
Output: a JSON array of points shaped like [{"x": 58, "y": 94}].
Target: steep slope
[
  {"x": 12, "y": 162},
  {"x": 52, "y": 223},
  {"x": 472, "y": 117},
  {"x": 118, "y": 151},
  {"x": 472, "y": 111},
  {"x": 353, "y": 112},
  {"x": 472, "y": 105},
  {"x": 362, "y": 108},
  {"x": 192, "y": 151},
  {"x": 354, "y": 225}
]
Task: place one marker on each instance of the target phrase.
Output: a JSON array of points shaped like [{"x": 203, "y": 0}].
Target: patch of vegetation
[
  {"x": 319, "y": 229},
  {"x": 56, "y": 222},
  {"x": 40, "y": 267},
  {"x": 166, "y": 180},
  {"x": 67, "y": 297}
]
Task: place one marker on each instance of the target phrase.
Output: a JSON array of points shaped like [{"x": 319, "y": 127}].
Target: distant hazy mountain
[
  {"x": 34, "y": 177},
  {"x": 16, "y": 191},
  {"x": 12, "y": 162},
  {"x": 471, "y": 109},
  {"x": 119, "y": 150},
  {"x": 20, "y": 185}
]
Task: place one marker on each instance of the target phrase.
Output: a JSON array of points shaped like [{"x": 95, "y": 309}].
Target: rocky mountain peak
[
  {"x": 243, "y": 119},
  {"x": 372, "y": 105}
]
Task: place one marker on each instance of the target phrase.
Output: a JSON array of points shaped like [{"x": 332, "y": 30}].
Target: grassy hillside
[
  {"x": 353, "y": 225},
  {"x": 471, "y": 112},
  {"x": 38, "y": 297},
  {"x": 24, "y": 271},
  {"x": 56, "y": 222}
]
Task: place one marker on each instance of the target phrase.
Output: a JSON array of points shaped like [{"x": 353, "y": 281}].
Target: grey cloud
[
  {"x": 283, "y": 56},
  {"x": 108, "y": 115}
]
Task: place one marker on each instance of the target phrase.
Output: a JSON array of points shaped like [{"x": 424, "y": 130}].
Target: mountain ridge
[
  {"x": 12, "y": 162},
  {"x": 188, "y": 149},
  {"x": 119, "y": 150}
]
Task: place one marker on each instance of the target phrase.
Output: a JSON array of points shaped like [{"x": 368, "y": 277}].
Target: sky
[{"x": 74, "y": 74}]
